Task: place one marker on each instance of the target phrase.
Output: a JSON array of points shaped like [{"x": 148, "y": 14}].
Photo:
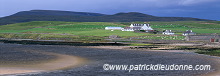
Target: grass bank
[{"x": 95, "y": 31}]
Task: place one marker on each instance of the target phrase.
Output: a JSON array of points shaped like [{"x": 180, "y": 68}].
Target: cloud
[
  {"x": 167, "y": 3},
  {"x": 191, "y": 2},
  {"x": 154, "y": 7}
]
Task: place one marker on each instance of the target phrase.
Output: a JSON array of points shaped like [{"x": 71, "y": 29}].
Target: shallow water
[{"x": 99, "y": 57}]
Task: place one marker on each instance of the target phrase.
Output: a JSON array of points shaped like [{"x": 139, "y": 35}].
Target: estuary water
[{"x": 17, "y": 54}]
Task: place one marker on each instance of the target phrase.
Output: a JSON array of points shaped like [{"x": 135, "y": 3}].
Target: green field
[
  {"x": 200, "y": 27},
  {"x": 95, "y": 30},
  {"x": 213, "y": 52}
]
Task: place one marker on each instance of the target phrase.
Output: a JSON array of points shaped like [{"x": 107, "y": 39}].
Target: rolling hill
[
  {"x": 53, "y": 15},
  {"x": 95, "y": 31}
]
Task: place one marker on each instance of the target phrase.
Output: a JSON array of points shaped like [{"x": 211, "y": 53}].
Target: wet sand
[
  {"x": 99, "y": 56},
  {"x": 128, "y": 48},
  {"x": 60, "y": 62},
  {"x": 216, "y": 59}
]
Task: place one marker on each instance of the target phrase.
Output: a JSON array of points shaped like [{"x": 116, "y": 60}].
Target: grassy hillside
[
  {"x": 95, "y": 30},
  {"x": 70, "y": 28},
  {"x": 54, "y": 15},
  {"x": 200, "y": 27}
]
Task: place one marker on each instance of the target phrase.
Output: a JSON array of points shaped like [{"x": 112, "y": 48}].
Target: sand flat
[
  {"x": 60, "y": 62},
  {"x": 100, "y": 56},
  {"x": 7, "y": 70}
]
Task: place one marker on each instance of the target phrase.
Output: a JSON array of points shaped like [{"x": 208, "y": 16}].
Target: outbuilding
[
  {"x": 113, "y": 28},
  {"x": 189, "y": 32},
  {"x": 168, "y": 32}
]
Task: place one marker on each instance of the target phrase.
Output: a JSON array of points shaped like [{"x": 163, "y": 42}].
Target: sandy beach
[
  {"x": 215, "y": 72},
  {"x": 60, "y": 61},
  {"x": 73, "y": 61}
]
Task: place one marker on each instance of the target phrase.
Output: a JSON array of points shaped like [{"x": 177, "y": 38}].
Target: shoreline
[
  {"x": 59, "y": 63},
  {"x": 214, "y": 58},
  {"x": 72, "y": 60}
]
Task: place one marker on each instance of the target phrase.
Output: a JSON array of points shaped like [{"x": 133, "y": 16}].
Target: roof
[
  {"x": 113, "y": 27},
  {"x": 132, "y": 28},
  {"x": 140, "y": 25},
  {"x": 168, "y": 31}
]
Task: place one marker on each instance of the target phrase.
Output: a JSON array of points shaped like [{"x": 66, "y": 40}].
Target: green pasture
[
  {"x": 72, "y": 28},
  {"x": 213, "y": 52},
  {"x": 59, "y": 29},
  {"x": 199, "y": 27}
]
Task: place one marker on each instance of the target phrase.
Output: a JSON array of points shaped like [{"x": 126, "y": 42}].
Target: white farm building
[
  {"x": 113, "y": 28},
  {"x": 188, "y": 32},
  {"x": 168, "y": 32},
  {"x": 134, "y": 27}
]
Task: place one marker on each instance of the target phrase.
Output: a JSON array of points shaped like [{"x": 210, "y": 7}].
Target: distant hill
[{"x": 53, "y": 15}]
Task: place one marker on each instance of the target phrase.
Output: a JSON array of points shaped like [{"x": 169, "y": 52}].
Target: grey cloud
[
  {"x": 191, "y": 2},
  {"x": 153, "y": 7}
]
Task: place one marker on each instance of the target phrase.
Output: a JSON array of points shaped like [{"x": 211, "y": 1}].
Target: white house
[
  {"x": 113, "y": 28},
  {"x": 131, "y": 28},
  {"x": 188, "y": 32},
  {"x": 168, "y": 32},
  {"x": 134, "y": 27}
]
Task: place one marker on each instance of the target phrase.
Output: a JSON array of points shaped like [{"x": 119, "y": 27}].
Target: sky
[{"x": 205, "y": 9}]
